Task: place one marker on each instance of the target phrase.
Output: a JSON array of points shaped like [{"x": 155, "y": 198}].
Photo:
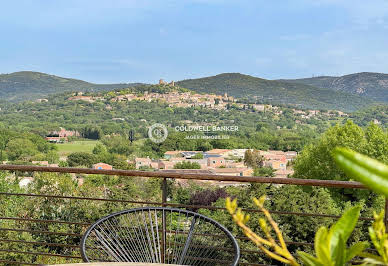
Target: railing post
[
  {"x": 164, "y": 192},
  {"x": 164, "y": 201}
]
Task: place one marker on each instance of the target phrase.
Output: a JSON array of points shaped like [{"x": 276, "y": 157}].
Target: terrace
[{"x": 62, "y": 246}]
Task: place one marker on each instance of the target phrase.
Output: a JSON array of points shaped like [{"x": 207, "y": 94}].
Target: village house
[
  {"x": 220, "y": 152},
  {"x": 142, "y": 162},
  {"x": 89, "y": 99},
  {"x": 202, "y": 162},
  {"x": 291, "y": 155},
  {"x": 166, "y": 165},
  {"x": 190, "y": 154},
  {"x": 102, "y": 166},
  {"x": 259, "y": 107},
  {"x": 276, "y": 164},
  {"x": 177, "y": 159},
  {"x": 237, "y": 153},
  {"x": 216, "y": 162},
  {"x": 233, "y": 164},
  {"x": 61, "y": 135},
  {"x": 243, "y": 171},
  {"x": 41, "y": 163},
  {"x": 55, "y": 139}
]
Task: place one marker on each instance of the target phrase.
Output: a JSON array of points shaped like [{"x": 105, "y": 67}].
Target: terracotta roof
[
  {"x": 101, "y": 164},
  {"x": 142, "y": 159},
  {"x": 172, "y": 152},
  {"x": 218, "y": 150}
]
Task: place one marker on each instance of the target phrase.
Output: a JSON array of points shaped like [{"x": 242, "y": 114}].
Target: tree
[
  {"x": 20, "y": 149},
  {"x": 253, "y": 158},
  {"x": 264, "y": 171},
  {"x": 117, "y": 144},
  {"x": 99, "y": 149},
  {"x": 52, "y": 156},
  {"x": 316, "y": 161},
  {"x": 187, "y": 165},
  {"x": 91, "y": 132},
  {"x": 81, "y": 159},
  {"x": 5, "y": 137},
  {"x": 207, "y": 197}
]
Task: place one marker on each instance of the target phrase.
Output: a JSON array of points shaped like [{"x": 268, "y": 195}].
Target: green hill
[
  {"x": 27, "y": 85},
  {"x": 239, "y": 85},
  {"x": 371, "y": 85}
]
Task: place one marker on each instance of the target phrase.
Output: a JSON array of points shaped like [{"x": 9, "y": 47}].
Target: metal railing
[{"x": 70, "y": 249}]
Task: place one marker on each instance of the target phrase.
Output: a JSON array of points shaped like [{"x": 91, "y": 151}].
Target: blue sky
[{"x": 108, "y": 41}]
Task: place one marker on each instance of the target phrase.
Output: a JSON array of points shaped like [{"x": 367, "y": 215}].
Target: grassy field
[{"x": 65, "y": 149}]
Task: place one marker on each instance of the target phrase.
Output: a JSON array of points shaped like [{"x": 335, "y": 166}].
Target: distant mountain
[
  {"x": 239, "y": 85},
  {"x": 371, "y": 85},
  {"x": 27, "y": 85}
]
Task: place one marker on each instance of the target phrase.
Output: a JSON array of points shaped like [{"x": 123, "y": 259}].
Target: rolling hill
[
  {"x": 367, "y": 84},
  {"x": 27, "y": 85},
  {"x": 239, "y": 85}
]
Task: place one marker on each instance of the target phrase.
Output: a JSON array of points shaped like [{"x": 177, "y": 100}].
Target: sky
[{"x": 106, "y": 41}]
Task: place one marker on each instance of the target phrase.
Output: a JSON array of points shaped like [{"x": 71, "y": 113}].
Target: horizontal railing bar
[
  {"x": 27, "y": 263},
  {"x": 39, "y": 243},
  {"x": 161, "y": 174},
  {"x": 40, "y": 253},
  {"x": 257, "y": 210},
  {"x": 254, "y": 264},
  {"x": 40, "y": 232},
  {"x": 19, "y": 262},
  {"x": 43, "y": 221},
  {"x": 79, "y": 198},
  {"x": 173, "y": 205}
]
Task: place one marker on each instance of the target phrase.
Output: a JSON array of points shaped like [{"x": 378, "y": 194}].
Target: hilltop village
[{"x": 175, "y": 97}]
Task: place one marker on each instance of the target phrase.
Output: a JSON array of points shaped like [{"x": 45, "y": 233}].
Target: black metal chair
[{"x": 159, "y": 235}]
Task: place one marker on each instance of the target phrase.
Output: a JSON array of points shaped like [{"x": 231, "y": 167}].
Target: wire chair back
[{"x": 159, "y": 235}]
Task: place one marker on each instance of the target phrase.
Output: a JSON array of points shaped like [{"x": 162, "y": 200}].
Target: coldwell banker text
[{"x": 206, "y": 128}]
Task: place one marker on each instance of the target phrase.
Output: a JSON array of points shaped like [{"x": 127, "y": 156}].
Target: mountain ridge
[
  {"x": 366, "y": 84},
  {"x": 30, "y": 85},
  {"x": 276, "y": 91}
]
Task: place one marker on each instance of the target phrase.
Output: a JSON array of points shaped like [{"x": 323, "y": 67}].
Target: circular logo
[{"x": 157, "y": 133}]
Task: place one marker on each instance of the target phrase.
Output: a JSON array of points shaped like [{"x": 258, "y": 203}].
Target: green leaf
[
  {"x": 309, "y": 260},
  {"x": 343, "y": 227},
  {"x": 373, "y": 237},
  {"x": 370, "y": 172},
  {"x": 355, "y": 250},
  {"x": 339, "y": 252},
  {"x": 322, "y": 246},
  {"x": 372, "y": 257}
]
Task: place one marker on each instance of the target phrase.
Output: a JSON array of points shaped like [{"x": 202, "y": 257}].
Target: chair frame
[{"x": 194, "y": 214}]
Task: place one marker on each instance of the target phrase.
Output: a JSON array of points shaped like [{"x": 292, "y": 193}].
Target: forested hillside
[
  {"x": 279, "y": 128},
  {"x": 28, "y": 85},
  {"x": 371, "y": 85},
  {"x": 239, "y": 85}
]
